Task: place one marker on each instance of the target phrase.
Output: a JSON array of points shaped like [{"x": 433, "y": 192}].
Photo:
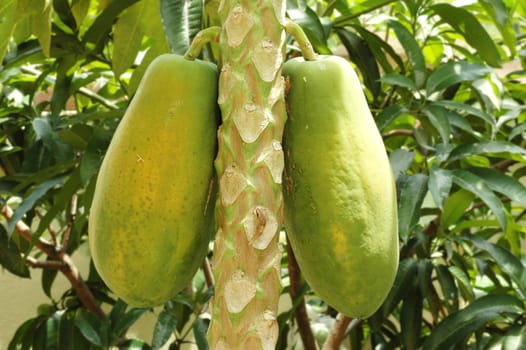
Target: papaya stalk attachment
[
  {"x": 294, "y": 29},
  {"x": 205, "y": 36}
]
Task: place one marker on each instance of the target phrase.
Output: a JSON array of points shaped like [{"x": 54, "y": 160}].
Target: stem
[
  {"x": 59, "y": 261},
  {"x": 200, "y": 40},
  {"x": 300, "y": 313},
  {"x": 337, "y": 332},
  {"x": 249, "y": 166},
  {"x": 299, "y": 35}
]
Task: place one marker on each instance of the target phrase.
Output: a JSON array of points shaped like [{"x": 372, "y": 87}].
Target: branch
[
  {"x": 209, "y": 276},
  {"x": 57, "y": 260},
  {"x": 337, "y": 332},
  {"x": 398, "y": 132},
  {"x": 300, "y": 313}
]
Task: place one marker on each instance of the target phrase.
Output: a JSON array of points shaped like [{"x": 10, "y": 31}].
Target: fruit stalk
[{"x": 249, "y": 166}]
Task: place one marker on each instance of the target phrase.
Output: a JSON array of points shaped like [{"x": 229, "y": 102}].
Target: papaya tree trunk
[{"x": 249, "y": 166}]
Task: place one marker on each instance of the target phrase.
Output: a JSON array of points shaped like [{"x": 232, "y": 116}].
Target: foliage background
[{"x": 445, "y": 81}]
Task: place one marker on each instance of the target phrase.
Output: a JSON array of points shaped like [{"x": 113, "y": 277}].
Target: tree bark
[{"x": 249, "y": 166}]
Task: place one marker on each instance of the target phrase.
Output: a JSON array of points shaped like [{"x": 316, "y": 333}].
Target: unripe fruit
[
  {"x": 340, "y": 197},
  {"x": 151, "y": 217}
]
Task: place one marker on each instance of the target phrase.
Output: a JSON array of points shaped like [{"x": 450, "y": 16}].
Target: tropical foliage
[{"x": 445, "y": 81}]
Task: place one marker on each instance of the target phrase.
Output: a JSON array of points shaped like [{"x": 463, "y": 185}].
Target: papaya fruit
[
  {"x": 152, "y": 213},
  {"x": 340, "y": 208}
]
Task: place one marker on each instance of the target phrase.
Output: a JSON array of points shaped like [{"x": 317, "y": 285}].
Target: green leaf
[
  {"x": 127, "y": 320},
  {"x": 454, "y": 72},
  {"x": 503, "y": 21},
  {"x": 399, "y": 80},
  {"x": 90, "y": 327},
  {"x": 360, "y": 53},
  {"x": 455, "y": 206},
  {"x": 463, "y": 281},
  {"x": 411, "y": 319},
  {"x": 98, "y": 32},
  {"x": 438, "y": 117},
  {"x": 412, "y": 193},
  {"x": 405, "y": 278},
  {"x": 476, "y": 185},
  {"x": 486, "y": 147},
  {"x": 29, "y": 202},
  {"x": 388, "y": 114},
  {"x": 465, "y": 23},
  {"x": 447, "y": 284},
  {"x": 515, "y": 338},
  {"x": 456, "y": 327},
  {"x": 508, "y": 263},
  {"x": 7, "y": 24},
  {"x": 41, "y": 25},
  {"x": 200, "y": 328},
  {"x": 164, "y": 327},
  {"x": 470, "y": 110},
  {"x": 400, "y": 160},
  {"x": 11, "y": 257},
  {"x": 127, "y": 38},
  {"x": 311, "y": 25},
  {"x": 502, "y": 183},
  {"x": 182, "y": 20},
  {"x": 413, "y": 51},
  {"x": 440, "y": 183}
]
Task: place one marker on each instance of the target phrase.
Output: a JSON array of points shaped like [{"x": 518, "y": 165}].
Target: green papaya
[
  {"x": 152, "y": 212},
  {"x": 339, "y": 193}
]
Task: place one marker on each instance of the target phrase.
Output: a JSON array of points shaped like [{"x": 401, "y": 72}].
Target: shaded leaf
[
  {"x": 10, "y": 256},
  {"x": 200, "y": 328},
  {"x": 463, "y": 282},
  {"x": 412, "y": 193},
  {"x": 440, "y": 183},
  {"x": 477, "y": 186},
  {"x": 463, "y": 107},
  {"x": 459, "y": 325},
  {"x": 127, "y": 320},
  {"x": 411, "y": 319},
  {"x": 447, "y": 284},
  {"x": 515, "y": 338},
  {"x": 164, "y": 327},
  {"x": 29, "y": 202},
  {"x": 467, "y": 24},
  {"x": 361, "y": 54},
  {"x": 438, "y": 117},
  {"x": 182, "y": 20},
  {"x": 400, "y": 160},
  {"x": 134, "y": 344},
  {"x": 90, "y": 327},
  {"x": 388, "y": 114},
  {"x": 454, "y": 72},
  {"x": 405, "y": 278}
]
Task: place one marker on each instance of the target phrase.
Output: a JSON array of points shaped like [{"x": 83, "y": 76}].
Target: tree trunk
[{"x": 249, "y": 166}]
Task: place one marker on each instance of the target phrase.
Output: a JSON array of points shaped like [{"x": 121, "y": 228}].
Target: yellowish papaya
[
  {"x": 340, "y": 197},
  {"x": 151, "y": 217}
]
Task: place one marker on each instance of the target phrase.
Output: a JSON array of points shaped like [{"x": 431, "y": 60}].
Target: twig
[
  {"x": 398, "y": 132},
  {"x": 300, "y": 313},
  {"x": 209, "y": 276},
  {"x": 58, "y": 260},
  {"x": 72, "y": 217},
  {"x": 337, "y": 332}
]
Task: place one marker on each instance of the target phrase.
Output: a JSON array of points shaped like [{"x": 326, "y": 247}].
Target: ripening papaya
[
  {"x": 152, "y": 212},
  {"x": 339, "y": 193}
]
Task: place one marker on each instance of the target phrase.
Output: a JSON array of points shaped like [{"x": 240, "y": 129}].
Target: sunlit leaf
[
  {"x": 454, "y": 72},
  {"x": 502, "y": 183},
  {"x": 478, "y": 186},
  {"x": 467, "y": 24},
  {"x": 455, "y": 207},
  {"x": 127, "y": 37},
  {"x": 440, "y": 183},
  {"x": 486, "y": 147},
  {"x": 413, "y": 51}
]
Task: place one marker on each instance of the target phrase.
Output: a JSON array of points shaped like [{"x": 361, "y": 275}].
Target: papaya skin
[
  {"x": 340, "y": 198},
  {"x": 152, "y": 212}
]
